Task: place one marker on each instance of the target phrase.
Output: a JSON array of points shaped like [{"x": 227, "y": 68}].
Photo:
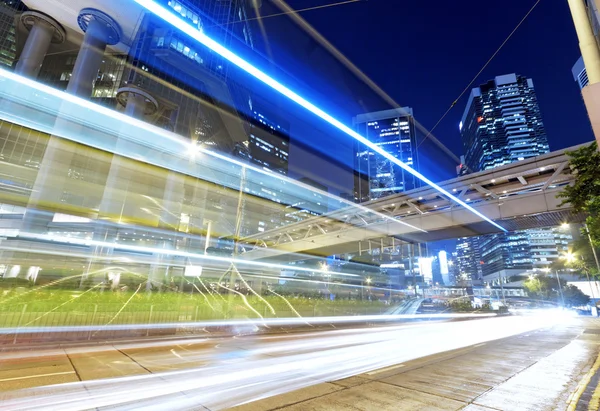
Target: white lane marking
[
  {"x": 37, "y": 376},
  {"x": 385, "y": 369},
  {"x": 478, "y": 345}
]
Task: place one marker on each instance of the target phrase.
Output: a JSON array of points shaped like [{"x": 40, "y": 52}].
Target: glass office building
[
  {"x": 502, "y": 123},
  {"x": 8, "y": 42},
  {"x": 393, "y": 131}
]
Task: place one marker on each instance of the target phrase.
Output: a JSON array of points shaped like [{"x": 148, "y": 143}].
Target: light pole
[
  {"x": 562, "y": 297},
  {"x": 362, "y": 286},
  {"x": 587, "y": 231}
]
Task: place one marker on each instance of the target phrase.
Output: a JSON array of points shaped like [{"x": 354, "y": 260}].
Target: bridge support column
[
  {"x": 43, "y": 30},
  {"x": 100, "y": 30}
]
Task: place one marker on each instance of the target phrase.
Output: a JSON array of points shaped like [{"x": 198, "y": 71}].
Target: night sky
[{"x": 424, "y": 53}]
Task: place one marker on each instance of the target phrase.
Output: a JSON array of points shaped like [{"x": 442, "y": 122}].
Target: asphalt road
[{"x": 490, "y": 363}]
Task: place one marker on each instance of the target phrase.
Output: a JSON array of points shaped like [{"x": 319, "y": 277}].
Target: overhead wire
[
  {"x": 322, "y": 6},
  {"x": 487, "y": 63},
  {"x": 318, "y": 37}
]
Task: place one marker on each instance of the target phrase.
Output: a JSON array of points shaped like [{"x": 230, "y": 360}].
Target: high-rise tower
[
  {"x": 394, "y": 131},
  {"x": 502, "y": 123}
]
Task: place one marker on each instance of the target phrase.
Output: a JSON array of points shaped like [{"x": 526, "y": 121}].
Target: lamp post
[
  {"x": 562, "y": 297},
  {"x": 362, "y": 286},
  {"x": 587, "y": 231}
]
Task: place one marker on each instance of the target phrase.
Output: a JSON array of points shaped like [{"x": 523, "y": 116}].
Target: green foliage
[
  {"x": 574, "y": 297},
  {"x": 584, "y": 194},
  {"x": 547, "y": 288},
  {"x": 77, "y": 306},
  {"x": 583, "y": 263}
]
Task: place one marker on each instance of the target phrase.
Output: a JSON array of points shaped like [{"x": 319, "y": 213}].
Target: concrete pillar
[
  {"x": 591, "y": 58},
  {"x": 43, "y": 30},
  {"x": 591, "y": 97},
  {"x": 137, "y": 102},
  {"x": 587, "y": 41},
  {"x": 100, "y": 30}
]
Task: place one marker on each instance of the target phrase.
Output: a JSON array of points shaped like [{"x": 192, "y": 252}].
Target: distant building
[
  {"x": 580, "y": 73},
  {"x": 393, "y": 131},
  {"x": 502, "y": 123},
  {"x": 361, "y": 187},
  {"x": 468, "y": 259},
  {"x": 8, "y": 41},
  {"x": 505, "y": 251},
  {"x": 514, "y": 253},
  {"x": 306, "y": 208}
]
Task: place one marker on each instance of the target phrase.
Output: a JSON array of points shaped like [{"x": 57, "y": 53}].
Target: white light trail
[
  {"x": 342, "y": 319},
  {"x": 175, "y": 144},
  {"x": 163, "y": 251},
  {"x": 250, "y": 369},
  {"x": 202, "y": 38}
]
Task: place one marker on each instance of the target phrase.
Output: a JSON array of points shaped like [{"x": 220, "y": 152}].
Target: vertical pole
[
  {"x": 591, "y": 58},
  {"x": 208, "y": 233},
  {"x": 149, "y": 320},
  {"x": 592, "y": 246},
  {"x": 562, "y": 297},
  {"x": 502, "y": 288},
  {"x": 587, "y": 41},
  {"x": 19, "y": 323},
  {"x": 93, "y": 320}
]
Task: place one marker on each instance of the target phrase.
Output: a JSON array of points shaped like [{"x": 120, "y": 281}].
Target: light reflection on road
[{"x": 253, "y": 367}]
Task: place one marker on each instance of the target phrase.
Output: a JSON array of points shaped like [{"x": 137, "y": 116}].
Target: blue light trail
[{"x": 196, "y": 34}]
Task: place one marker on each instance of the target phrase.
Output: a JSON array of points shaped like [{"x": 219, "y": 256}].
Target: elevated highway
[{"x": 517, "y": 196}]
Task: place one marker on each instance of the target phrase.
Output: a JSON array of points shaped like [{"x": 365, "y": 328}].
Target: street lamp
[
  {"x": 569, "y": 256},
  {"x": 547, "y": 270}
]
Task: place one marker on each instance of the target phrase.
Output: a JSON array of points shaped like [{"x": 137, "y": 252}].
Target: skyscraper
[
  {"x": 394, "y": 131},
  {"x": 468, "y": 258},
  {"x": 502, "y": 123}
]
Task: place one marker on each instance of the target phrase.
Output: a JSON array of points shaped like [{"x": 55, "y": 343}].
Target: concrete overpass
[{"x": 517, "y": 196}]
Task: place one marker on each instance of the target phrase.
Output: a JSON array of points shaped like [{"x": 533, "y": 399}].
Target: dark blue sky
[{"x": 424, "y": 53}]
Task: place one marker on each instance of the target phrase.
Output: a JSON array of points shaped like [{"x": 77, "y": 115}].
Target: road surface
[{"x": 218, "y": 374}]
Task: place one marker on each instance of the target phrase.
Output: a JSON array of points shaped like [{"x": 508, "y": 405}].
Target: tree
[
  {"x": 547, "y": 288},
  {"x": 584, "y": 194},
  {"x": 574, "y": 297},
  {"x": 579, "y": 259},
  {"x": 542, "y": 287}
]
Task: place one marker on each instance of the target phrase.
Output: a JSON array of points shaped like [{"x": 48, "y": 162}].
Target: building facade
[
  {"x": 502, "y": 123},
  {"x": 468, "y": 259},
  {"x": 8, "y": 43},
  {"x": 580, "y": 74},
  {"x": 394, "y": 131}
]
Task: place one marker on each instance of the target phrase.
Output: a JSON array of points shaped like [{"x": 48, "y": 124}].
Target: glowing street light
[
  {"x": 564, "y": 226},
  {"x": 368, "y": 280},
  {"x": 569, "y": 256}
]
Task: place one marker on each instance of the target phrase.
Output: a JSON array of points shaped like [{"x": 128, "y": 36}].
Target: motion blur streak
[
  {"x": 233, "y": 323},
  {"x": 156, "y": 250},
  {"x": 255, "y": 368},
  {"x": 274, "y": 84},
  {"x": 103, "y": 125}
]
